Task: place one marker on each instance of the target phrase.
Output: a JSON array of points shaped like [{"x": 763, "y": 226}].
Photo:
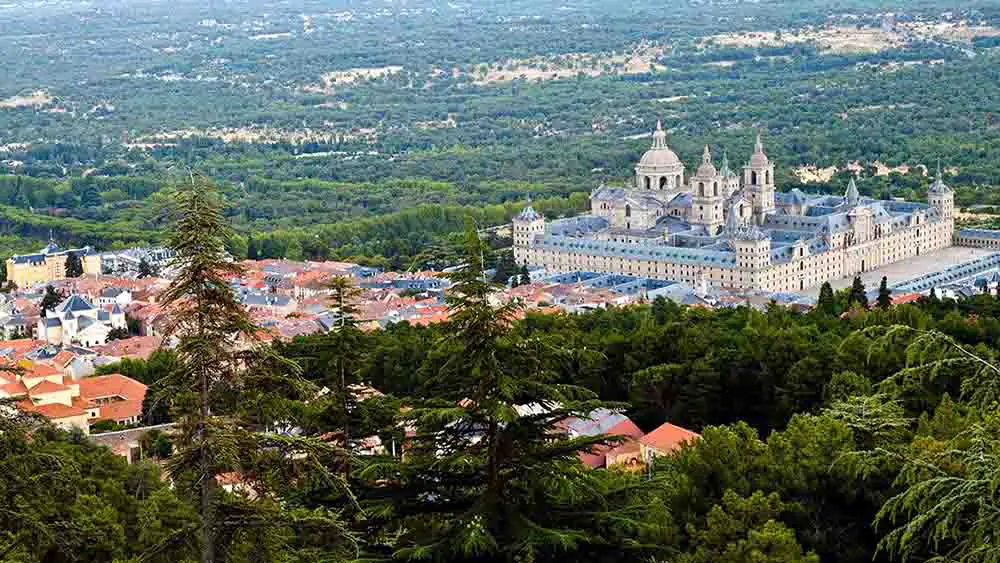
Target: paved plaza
[{"x": 899, "y": 272}]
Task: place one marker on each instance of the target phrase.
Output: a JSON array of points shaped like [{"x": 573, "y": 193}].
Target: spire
[
  {"x": 938, "y": 185},
  {"x": 725, "y": 170},
  {"x": 852, "y": 196},
  {"x": 659, "y": 136},
  {"x": 706, "y": 156},
  {"x": 758, "y": 159}
]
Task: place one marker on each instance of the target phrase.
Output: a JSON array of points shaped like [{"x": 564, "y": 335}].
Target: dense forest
[
  {"x": 345, "y": 145},
  {"x": 842, "y": 434}
]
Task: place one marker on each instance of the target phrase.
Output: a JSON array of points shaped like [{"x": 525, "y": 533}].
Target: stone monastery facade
[{"x": 724, "y": 229}]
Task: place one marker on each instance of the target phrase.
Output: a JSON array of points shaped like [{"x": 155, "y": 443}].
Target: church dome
[
  {"x": 659, "y": 155},
  {"x": 659, "y": 158}
]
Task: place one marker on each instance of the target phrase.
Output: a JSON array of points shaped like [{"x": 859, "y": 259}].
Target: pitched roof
[
  {"x": 668, "y": 437},
  {"x": 113, "y": 385},
  {"x": 52, "y": 410},
  {"x": 46, "y": 387},
  {"x": 14, "y": 389},
  {"x": 74, "y": 303}
]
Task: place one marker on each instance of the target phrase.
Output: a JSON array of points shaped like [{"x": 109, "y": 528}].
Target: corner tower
[
  {"x": 941, "y": 197},
  {"x": 527, "y": 225}
]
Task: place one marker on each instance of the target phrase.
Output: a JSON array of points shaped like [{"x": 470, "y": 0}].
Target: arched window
[
  {"x": 715, "y": 189},
  {"x": 647, "y": 182},
  {"x": 628, "y": 210},
  {"x": 753, "y": 177},
  {"x": 741, "y": 211},
  {"x": 663, "y": 182},
  {"x": 767, "y": 177},
  {"x": 677, "y": 181},
  {"x": 701, "y": 188}
]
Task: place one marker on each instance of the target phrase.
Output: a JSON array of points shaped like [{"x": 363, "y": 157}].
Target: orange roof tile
[
  {"x": 47, "y": 386},
  {"x": 53, "y": 411},
  {"x": 14, "y": 389},
  {"x": 34, "y": 369},
  {"x": 119, "y": 410},
  {"x": 113, "y": 385},
  {"x": 668, "y": 437},
  {"x": 63, "y": 358}
]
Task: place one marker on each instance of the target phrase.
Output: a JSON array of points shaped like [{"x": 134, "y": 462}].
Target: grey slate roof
[{"x": 74, "y": 303}]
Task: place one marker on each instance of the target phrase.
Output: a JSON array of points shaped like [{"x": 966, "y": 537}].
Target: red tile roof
[
  {"x": 53, "y": 411},
  {"x": 63, "y": 358},
  {"x": 668, "y": 438},
  {"x": 135, "y": 347},
  {"x": 625, "y": 428},
  {"x": 114, "y": 385},
  {"x": 14, "y": 389},
  {"x": 33, "y": 369},
  {"x": 47, "y": 386},
  {"x": 119, "y": 410}
]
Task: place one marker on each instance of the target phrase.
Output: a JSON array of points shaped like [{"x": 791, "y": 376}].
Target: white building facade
[{"x": 733, "y": 231}]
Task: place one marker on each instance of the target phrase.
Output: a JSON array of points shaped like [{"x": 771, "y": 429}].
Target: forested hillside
[{"x": 353, "y": 128}]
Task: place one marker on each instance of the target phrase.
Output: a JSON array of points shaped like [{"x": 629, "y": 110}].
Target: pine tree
[
  {"x": 228, "y": 394},
  {"x": 525, "y": 276},
  {"x": 857, "y": 294},
  {"x": 826, "y": 302},
  {"x": 487, "y": 476},
  {"x": 251, "y": 248},
  {"x": 884, "y": 294},
  {"x": 50, "y": 300},
  {"x": 74, "y": 265},
  {"x": 146, "y": 270}
]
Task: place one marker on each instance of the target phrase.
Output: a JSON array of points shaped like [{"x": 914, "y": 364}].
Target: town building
[
  {"x": 727, "y": 230},
  {"x": 49, "y": 264},
  {"x": 76, "y": 320},
  {"x": 71, "y": 403}
]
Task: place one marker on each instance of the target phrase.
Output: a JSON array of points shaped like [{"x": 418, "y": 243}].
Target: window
[
  {"x": 753, "y": 178},
  {"x": 663, "y": 182},
  {"x": 647, "y": 182}
]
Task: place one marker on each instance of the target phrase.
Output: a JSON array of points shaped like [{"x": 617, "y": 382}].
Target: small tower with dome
[
  {"x": 659, "y": 169},
  {"x": 941, "y": 197},
  {"x": 707, "y": 195},
  {"x": 527, "y": 225},
  {"x": 758, "y": 178}
]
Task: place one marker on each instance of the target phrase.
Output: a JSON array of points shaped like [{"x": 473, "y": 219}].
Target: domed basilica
[{"x": 731, "y": 230}]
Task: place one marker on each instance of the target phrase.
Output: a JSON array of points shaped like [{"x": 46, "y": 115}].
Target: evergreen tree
[
  {"x": 146, "y": 270},
  {"x": 827, "y": 302},
  {"x": 74, "y": 265},
  {"x": 932, "y": 297},
  {"x": 857, "y": 294},
  {"x": 228, "y": 396},
  {"x": 884, "y": 294},
  {"x": 294, "y": 250},
  {"x": 50, "y": 300},
  {"x": 505, "y": 267},
  {"x": 252, "y": 252},
  {"x": 487, "y": 476},
  {"x": 525, "y": 276}
]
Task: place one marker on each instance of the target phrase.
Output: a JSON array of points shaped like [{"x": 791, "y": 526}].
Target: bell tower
[
  {"x": 707, "y": 195},
  {"x": 758, "y": 178}
]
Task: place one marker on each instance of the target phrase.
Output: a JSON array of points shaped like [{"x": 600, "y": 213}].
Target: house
[
  {"x": 136, "y": 347},
  {"x": 114, "y": 296},
  {"x": 665, "y": 440},
  {"x": 77, "y": 320},
  {"x": 605, "y": 422},
  {"x": 67, "y": 403}
]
